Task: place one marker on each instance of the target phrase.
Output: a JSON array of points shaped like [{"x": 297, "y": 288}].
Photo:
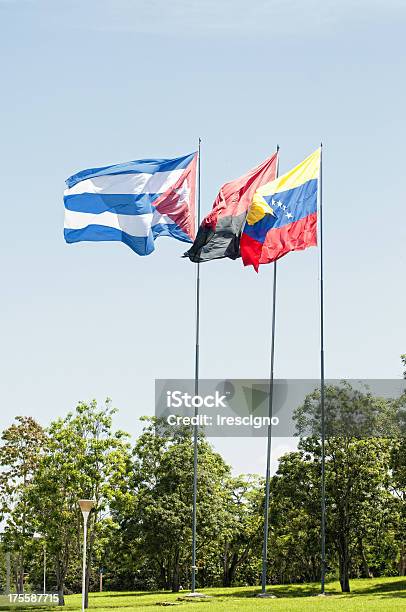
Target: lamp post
[
  {"x": 38, "y": 536},
  {"x": 86, "y": 506}
]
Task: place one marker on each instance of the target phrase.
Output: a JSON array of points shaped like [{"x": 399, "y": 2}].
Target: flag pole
[
  {"x": 269, "y": 442},
  {"x": 195, "y": 427},
  {"x": 322, "y": 389}
]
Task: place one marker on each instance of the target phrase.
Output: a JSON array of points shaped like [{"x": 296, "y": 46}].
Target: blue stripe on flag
[
  {"x": 299, "y": 202},
  {"x": 122, "y": 204},
  {"x": 95, "y": 233},
  {"x": 288, "y": 206},
  {"x": 259, "y": 230},
  {"x": 142, "y": 165},
  {"x": 170, "y": 229}
]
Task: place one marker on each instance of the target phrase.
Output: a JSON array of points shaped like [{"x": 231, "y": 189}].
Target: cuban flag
[{"x": 133, "y": 202}]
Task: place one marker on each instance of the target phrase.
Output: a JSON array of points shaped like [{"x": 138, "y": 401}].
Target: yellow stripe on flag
[
  {"x": 306, "y": 171},
  {"x": 258, "y": 209}
]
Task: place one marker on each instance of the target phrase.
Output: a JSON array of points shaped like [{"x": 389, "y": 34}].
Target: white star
[
  {"x": 183, "y": 193},
  {"x": 289, "y": 215},
  {"x": 280, "y": 204}
]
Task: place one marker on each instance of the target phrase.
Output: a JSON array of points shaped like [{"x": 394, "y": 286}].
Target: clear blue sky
[{"x": 98, "y": 82}]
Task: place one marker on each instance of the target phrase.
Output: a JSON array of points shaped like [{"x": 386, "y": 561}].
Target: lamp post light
[
  {"x": 86, "y": 506},
  {"x": 38, "y": 536}
]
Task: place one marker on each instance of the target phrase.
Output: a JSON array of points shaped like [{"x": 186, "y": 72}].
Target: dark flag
[{"x": 220, "y": 231}]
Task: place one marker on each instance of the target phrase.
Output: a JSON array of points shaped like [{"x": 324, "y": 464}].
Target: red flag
[{"x": 220, "y": 231}]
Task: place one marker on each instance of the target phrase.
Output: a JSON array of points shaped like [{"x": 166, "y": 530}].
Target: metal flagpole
[
  {"x": 195, "y": 427},
  {"x": 322, "y": 393},
  {"x": 269, "y": 444}
]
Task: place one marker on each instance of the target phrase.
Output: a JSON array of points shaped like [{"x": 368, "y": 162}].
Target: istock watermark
[
  {"x": 179, "y": 399},
  {"x": 248, "y": 408},
  {"x": 204, "y": 420}
]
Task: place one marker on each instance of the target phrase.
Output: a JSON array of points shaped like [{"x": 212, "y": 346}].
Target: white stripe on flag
[
  {"x": 127, "y": 183},
  {"x": 161, "y": 219},
  {"x": 134, "y": 225}
]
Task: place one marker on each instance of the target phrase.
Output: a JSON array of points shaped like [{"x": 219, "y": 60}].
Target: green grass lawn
[{"x": 380, "y": 594}]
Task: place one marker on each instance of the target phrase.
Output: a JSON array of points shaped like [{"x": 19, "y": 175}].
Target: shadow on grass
[
  {"x": 20, "y": 609},
  {"x": 393, "y": 589},
  {"x": 130, "y": 594},
  {"x": 288, "y": 590},
  {"x": 385, "y": 589}
]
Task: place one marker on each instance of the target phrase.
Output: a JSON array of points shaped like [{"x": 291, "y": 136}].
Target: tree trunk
[
  {"x": 229, "y": 573},
  {"x": 230, "y": 568},
  {"x": 402, "y": 560},
  {"x": 61, "y": 597},
  {"x": 175, "y": 573},
  {"x": 344, "y": 564},
  {"x": 20, "y": 574},
  {"x": 163, "y": 577},
  {"x": 60, "y": 583},
  {"x": 15, "y": 574},
  {"x": 315, "y": 570},
  {"x": 225, "y": 563},
  {"x": 365, "y": 571}
]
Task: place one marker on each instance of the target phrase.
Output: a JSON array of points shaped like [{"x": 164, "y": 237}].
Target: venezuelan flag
[{"x": 282, "y": 216}]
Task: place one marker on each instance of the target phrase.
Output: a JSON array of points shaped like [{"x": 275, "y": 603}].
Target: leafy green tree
[
  {"x": 398, "y": 467},
  {"x": 357, "y": 466},
  {"x": 20, "y": 452},
  {"x": 294, "y": 547},
  {"x": 155, "y": 510},
  {"x": 84, "y": 458},
  {"x": 243, "y": 527}
]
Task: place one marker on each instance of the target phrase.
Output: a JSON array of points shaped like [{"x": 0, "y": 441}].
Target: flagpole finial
[
  {"x": 277, "y": 148},
  {"x": 321, "y": 144}
]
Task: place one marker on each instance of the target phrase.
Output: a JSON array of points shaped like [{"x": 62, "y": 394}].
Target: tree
[
  {"x": 84, "y": 458},
  {"x": 357, "y": 466},
  {"x": 243, "y": 526},
  {"x": 20, "y": 454},
  {"x": 155, "y": 510},
  {"x": 398, "y": 467},
  {"x": 294, "y": 550}
]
